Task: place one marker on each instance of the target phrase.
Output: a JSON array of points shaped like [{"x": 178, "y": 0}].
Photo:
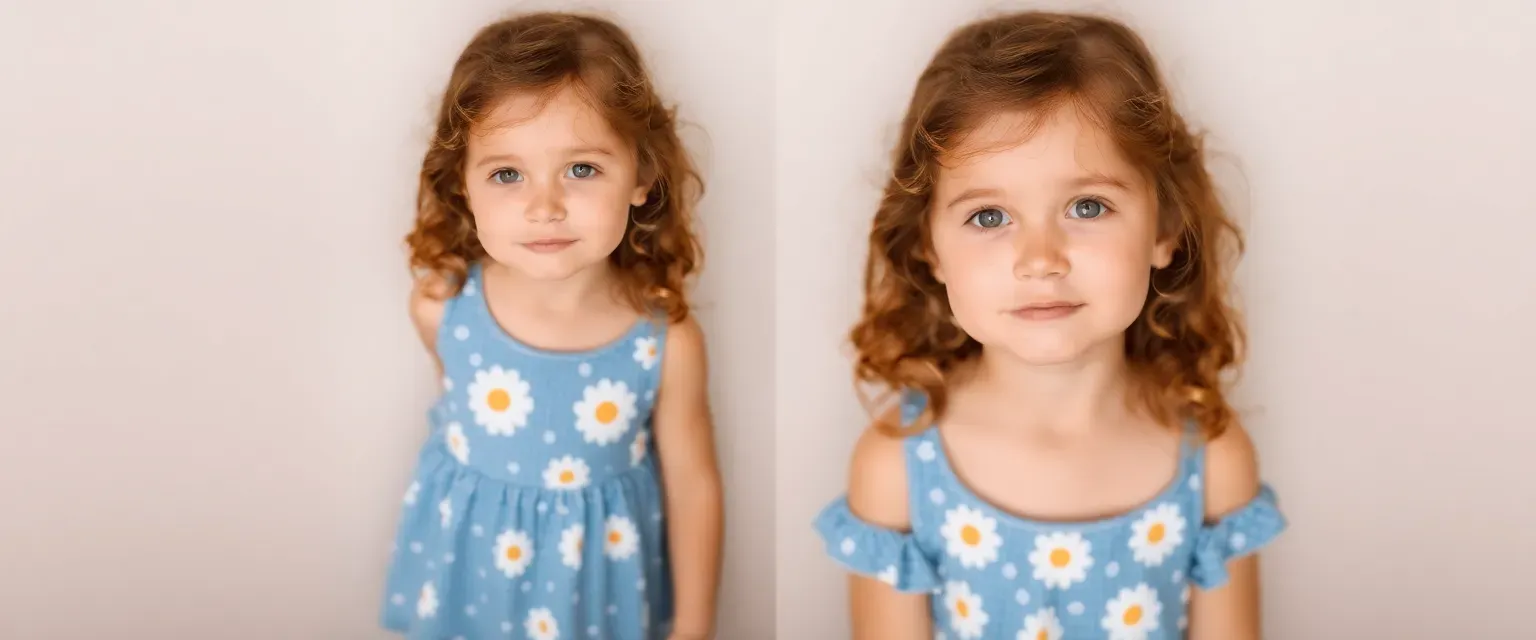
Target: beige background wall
[
  {"x": 209, "y": 389},
  {"x": 210, "y": 395},
  {"x": 1390, "y": 280}
]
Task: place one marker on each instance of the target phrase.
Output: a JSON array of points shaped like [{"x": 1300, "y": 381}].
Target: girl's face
[
  {"x": 550, "y": 185},
  {"x": 1045, "y": 243}
]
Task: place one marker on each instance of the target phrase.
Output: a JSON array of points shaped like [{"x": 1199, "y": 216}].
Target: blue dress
[
  {"x": 996, "y": 575},
  {"x": 535, "y": 510}
]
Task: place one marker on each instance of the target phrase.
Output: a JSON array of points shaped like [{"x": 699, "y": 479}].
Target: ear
[
  {"x": 1162, "y": 252},
  {"x": 640, "y": 193}
]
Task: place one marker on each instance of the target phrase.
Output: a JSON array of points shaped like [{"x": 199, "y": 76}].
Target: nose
[
  {"x": 1041, "y": 252},
  {"x": 546, "y": 203}
]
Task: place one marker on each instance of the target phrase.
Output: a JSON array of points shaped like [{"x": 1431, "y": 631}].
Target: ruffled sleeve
[
  {"x": 891, "y": 556},
  {"x": 1240, "y": 533}
]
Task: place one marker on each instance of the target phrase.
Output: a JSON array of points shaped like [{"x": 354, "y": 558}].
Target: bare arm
[
  {"x": 1231, "y": 611},
  {"x": 877, "y": 494},
  {"x": 429, "y": 298},
  {"x": 685, "y": 447}
]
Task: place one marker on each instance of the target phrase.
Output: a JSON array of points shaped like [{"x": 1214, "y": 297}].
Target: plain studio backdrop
[
  {"x": 1380, "y": 157},
  {"x": 212, "y": 395}
]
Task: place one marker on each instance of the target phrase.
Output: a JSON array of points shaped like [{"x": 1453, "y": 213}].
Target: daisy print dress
[
  {"x": 535, "y": 510},
  {"x": 996, "y": 575}
]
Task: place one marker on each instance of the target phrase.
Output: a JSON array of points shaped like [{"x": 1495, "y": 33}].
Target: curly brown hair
[
  {"x": 543, "y": 53},
  {"x": 1187, "y": 334}
]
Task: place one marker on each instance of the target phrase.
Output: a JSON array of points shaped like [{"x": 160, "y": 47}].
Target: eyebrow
[
  {"x": 1088, "y": 180},
  {"x": 577, "y": 151}
]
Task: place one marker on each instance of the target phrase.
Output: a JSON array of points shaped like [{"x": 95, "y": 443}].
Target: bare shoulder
[
  {"x": 877, "y": 482},
  {"x": 1231, "y": 472},
  {"x": 685, "y": 345},
  {"x": 429, "y": 297}
]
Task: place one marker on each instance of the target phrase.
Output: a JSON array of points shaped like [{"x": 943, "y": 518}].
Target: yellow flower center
[
  {"x": 567, "y": 476},
  {"x": 543, "y": 626},
  {"x": 607, "y": 412},
  {"x": 1060, "y": 558},
  {"x": 1156, "y": 533},
  {"x": 1043, "y": 635},
  {"x": 498, "y": 400},
  {"x": 1132, "y": 615},
  {"x": 514, "y": 553},
  {"x": 614, "y": 537},
  {"x": 962, "y": 609},
  {"x": 970, "y": 535}
]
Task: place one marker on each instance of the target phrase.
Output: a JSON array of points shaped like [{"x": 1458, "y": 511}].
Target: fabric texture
[
  {"x": 992, "y": 574},
  {"x": 535, "y": 510}
]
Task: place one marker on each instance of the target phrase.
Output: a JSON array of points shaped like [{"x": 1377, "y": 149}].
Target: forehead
[
  {"x": 1047, "y": 147},
  {"x": 534, "y": 121}
]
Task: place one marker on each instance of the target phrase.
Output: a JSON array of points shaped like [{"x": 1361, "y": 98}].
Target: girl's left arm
[
  {"x": 1231, "y": 611},
  {"x": 690, "y": 474}
]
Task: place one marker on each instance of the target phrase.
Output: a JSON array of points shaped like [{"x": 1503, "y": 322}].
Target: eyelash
[
  {"x": 971, "y": 219},
  {"x": 596, "y": 170}
]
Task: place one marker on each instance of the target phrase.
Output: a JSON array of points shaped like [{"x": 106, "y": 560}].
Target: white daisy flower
[
  {"x": 567, "y": 473},
  {"x": 500, "y": 400},
  {"x": 971, "y": 536},
  {"x": 458, "y": 445},
  {"x": 514, "y": 552},
  {"x": 445, "y": 509},
  {"x": 1042, "y": 626},
  {"x": 967, "y": 618},
  {"x": 605, "y": 411},
  {"x": 1156, "y": 534},
  {"x": 571, "y": 541},
  {"x": 645, "y": 352},
  {"x": 1133, "y": 614},
  {"x": 541, "y": 625},
  {"x": 637, "y": 448},
  {"x": 1061, "y": 559},
  {"x": 426, "y": 603},
  {"x": 621, "y": 540},
  {"x": 411, "y": 492}
]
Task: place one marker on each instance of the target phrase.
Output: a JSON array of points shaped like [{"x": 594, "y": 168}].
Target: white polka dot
[
  {"x": 506, "y": 627},
  {"x": 650, "y": 394},
  {"x": 458, "y": 638},
  {"x": 447, "y": 383},
  {"x": 592, "y": 631},
  {"x": 1010, "y": 572},
  {"x": 549, "y": 437},
  {"x": 482, "y": 573},
  {"x": 584, "y": 369},
  {"x": 431, "y": 564},
  {"x": 1184, "y": 594},
  {"x": 613, "y": 609},
  {"x": 849, "y": 546},
  {"x": 447, "y": 558},
  {"x": 937, "y": 495},
  {"x": 656, "y": 517},
  {"x": 1238, "y": 541},
  {"x": 1022, "y": 597},
  {"x": 1112, "y": 569},
  {"x": 513, "y": 468},
  {"x": 477, "y": 531},
  {"x": 475, "y": 359},
  {"x": 640, "y": 584},
  {"x": 1178, "y": 576},
  {"x": 543, "y": 507},
  {"x": 1194, "y": 482},
  {"x": 527, "y": 586},
  {"x": 560, "y": 508},
  {"x": 1183, "y": 622},
  {"x": 397, "y": 599},
  {"x": 461, "y": 332},
  {"x": 416, "y": 547},
  {"x": 469, "y": 288},
  {"x": 925, "y": 451},
  {"x": 1075, "y": 608},
  {"x": 470, "y": 611},
  {"x": 549, "y": 586}
]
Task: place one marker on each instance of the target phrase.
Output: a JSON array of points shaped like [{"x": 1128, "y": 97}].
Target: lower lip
[
  {"x": 548, "y": 247},
  {"x": 1046, "y": 313}
]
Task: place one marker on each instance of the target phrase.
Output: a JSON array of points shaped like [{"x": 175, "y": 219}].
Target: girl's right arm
[
  {"x": 877, "y": 494},
  {"x": 429, "y": 297}
]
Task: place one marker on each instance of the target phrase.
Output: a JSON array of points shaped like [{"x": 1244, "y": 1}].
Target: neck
[
  {"x": 572, "y": 294},
  {"x": 1076, "y": 396}
]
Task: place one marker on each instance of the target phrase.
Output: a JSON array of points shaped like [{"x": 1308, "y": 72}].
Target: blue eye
[
  {"x": 581, "y": 170},
  {"x": 506, "y": 176},
  {"x": 988, "y": 218},
  {"x": 1087, "y": 209}
]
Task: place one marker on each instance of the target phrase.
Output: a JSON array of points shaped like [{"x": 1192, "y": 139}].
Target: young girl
[
  {"x": 553, "y": 240},
  {"x": 1045, "y": 289}
]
